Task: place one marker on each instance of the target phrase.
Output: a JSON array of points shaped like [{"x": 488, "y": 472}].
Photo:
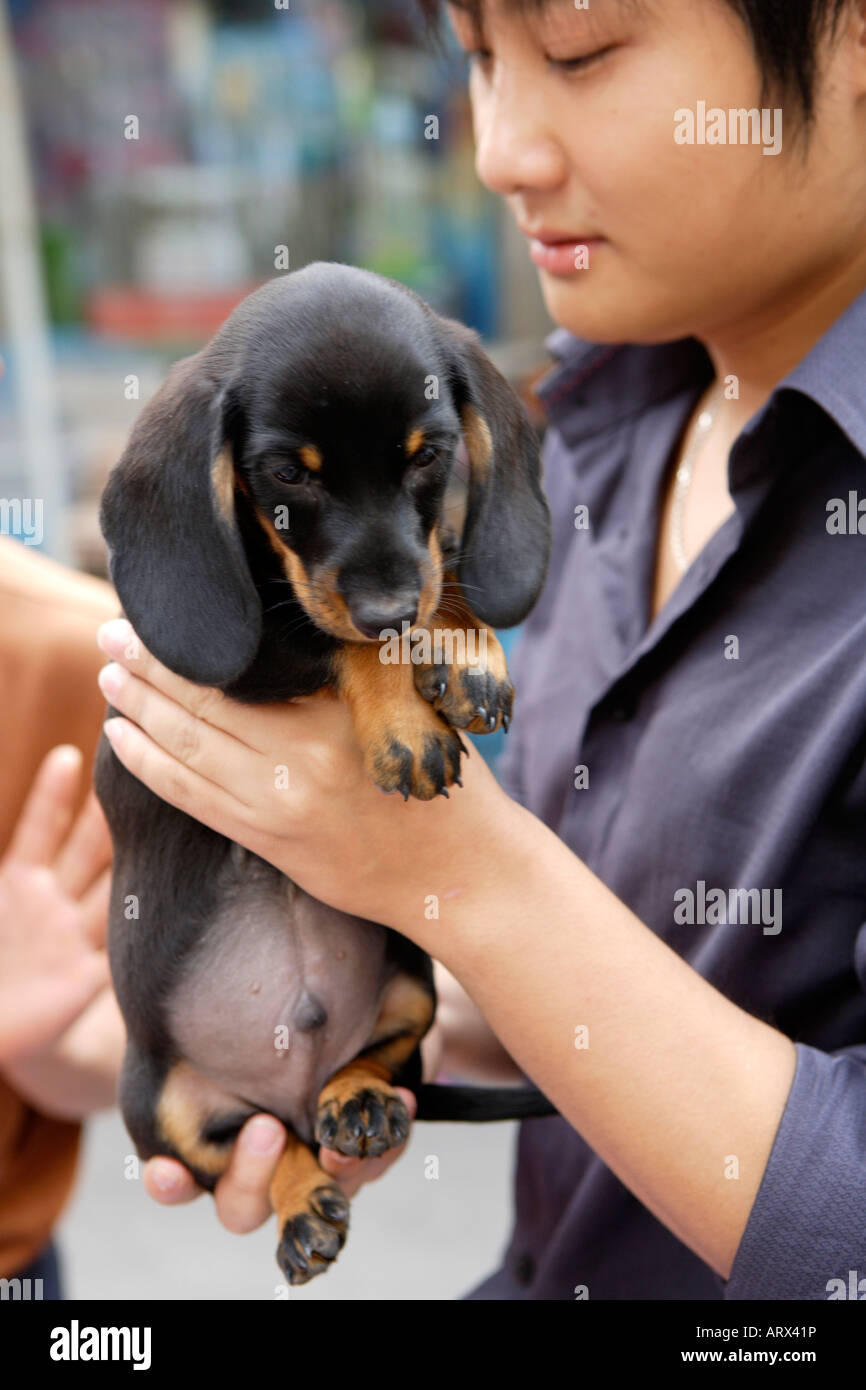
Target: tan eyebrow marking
[
  {"x": 311, "y": 456},
  {"x": 414, "y": 440}
]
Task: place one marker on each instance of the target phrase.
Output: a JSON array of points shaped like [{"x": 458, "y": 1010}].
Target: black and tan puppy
[{"x": 281, "y": 502}]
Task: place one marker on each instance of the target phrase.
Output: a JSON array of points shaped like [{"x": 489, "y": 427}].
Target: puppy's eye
[
  {"x": 425, "y": 457},
  {"x": 291, "y": 473}
]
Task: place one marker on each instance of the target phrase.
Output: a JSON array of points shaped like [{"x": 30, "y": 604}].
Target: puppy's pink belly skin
[{"x": 282, "y": 994}]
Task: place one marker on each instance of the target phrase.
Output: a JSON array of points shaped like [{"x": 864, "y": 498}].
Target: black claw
[
  {"x": 332, "y": 1205},
  {"x": 506, "y": 721},
  {"x": 443, "y": 791},
  {"x": 481, "y": 711},
  {"x": 327, "y": 1129},
  {"x": 458, "y": 781},
  {"x": 442, "y": 688},
  {"x": 491, "y": 723}
]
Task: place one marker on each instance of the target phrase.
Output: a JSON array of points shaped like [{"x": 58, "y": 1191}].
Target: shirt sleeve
[{"x": 806, "y": 1233}]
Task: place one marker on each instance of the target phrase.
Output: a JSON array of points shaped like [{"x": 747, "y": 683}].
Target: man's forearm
[
  {"x": 665, "y": 1078},
  {"x": 469, "y": 1048}
]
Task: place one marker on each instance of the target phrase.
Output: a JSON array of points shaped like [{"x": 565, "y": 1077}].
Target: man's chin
[{"x": 604, "y": 317}]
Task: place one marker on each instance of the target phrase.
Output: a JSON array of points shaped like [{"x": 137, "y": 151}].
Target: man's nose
[{"x": 514, "y": 146}]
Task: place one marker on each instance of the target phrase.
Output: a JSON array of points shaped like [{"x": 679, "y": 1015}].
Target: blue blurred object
[{"x": 490, "y": 746}]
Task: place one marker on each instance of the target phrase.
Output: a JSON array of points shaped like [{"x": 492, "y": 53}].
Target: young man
[{"x": 663, "y": 922}]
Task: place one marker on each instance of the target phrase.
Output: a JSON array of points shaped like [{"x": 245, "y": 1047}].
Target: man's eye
[
  {"x": 480, "y": 56},
  {"x": 575, "y": 64},
  {"x": 291, "y": 473}
]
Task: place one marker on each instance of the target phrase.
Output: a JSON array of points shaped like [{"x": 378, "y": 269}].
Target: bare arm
[
  {"x": 463, "y": 1044},
  {"x": 675, "y": 1078}
]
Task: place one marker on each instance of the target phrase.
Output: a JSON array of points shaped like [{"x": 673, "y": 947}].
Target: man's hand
[
  {"x": 54, "y": 886},
  {"x": 241, "y": 1195},
  {"x": 326, "y": 826}
]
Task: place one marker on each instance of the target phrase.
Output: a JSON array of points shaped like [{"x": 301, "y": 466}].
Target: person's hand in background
[{"x": 54, "y": 885}]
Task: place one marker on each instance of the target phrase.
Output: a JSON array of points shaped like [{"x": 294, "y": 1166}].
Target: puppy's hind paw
[
  {"x": 364, "y": 1124},
  {"x": 311, "y": 1240}
]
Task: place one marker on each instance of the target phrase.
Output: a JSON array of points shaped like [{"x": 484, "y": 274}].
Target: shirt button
[{"x": 524, "y": 1268}]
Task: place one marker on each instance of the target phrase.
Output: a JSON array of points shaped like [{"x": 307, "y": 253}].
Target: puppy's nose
[{"x": 372, "y": 616}]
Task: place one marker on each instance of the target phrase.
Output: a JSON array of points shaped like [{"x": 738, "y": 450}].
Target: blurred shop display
[
  {"x": 183, "y": 151},
  {"x": 178, "y": 145}
]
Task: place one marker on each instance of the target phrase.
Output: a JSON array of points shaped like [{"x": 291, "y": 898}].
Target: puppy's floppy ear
[
  {"x": 507, "y": 534},
  {"x": 177, "y": 559}
]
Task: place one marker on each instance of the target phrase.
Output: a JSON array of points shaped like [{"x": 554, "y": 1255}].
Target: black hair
[{"x": 786, "y": 37}]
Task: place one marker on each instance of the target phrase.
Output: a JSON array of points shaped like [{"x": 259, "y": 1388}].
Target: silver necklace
[{"x": 706, "y": 420}]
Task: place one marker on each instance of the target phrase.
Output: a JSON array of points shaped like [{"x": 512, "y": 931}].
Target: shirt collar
[
  {"x": 833, "y": 373},
  {"x": 595, "y": 385}
]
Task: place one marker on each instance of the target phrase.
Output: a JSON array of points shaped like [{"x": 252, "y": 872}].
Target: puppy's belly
[{"x": 282, "y": 993}]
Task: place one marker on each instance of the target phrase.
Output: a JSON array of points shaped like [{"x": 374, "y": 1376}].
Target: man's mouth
[{"x": 561, "y": 253}]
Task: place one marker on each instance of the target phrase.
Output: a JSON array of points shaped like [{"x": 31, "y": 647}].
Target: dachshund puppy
[{"x": 285, "y": 503}]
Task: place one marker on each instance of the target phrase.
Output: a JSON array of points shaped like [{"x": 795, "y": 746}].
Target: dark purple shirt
[{"x": 725, "y": 749}]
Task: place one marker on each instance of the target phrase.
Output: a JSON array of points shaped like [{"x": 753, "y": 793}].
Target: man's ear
[
  {"x": 177, "y": 559},
  {"x": 507, "y": 534}
]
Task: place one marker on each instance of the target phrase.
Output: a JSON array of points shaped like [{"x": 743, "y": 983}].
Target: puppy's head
[{"x": 330, "y": 405}]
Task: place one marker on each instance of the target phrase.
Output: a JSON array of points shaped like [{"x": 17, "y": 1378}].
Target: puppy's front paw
[
  {"x": 362, "y": 1123},
  {"x": 475, "y": 695},
  {"x": 417, "y": 755},
  {"x": 311, "y": 1239}
]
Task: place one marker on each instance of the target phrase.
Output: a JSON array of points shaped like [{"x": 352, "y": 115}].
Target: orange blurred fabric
[{"x": 48, "y": 695}]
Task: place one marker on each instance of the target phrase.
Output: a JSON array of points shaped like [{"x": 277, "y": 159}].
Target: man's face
[{"x": 689, "y": 237}]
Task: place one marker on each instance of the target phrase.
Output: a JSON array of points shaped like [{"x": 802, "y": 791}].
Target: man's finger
[
  {"x": 47, "y": 813},
  {"x": 169, "y": 779},
  {"x": 242, "y": 1193},
  {"x": 193, "y": 743},
  {"x": 168, "y": 1182},
  {"x": 121, "y": 644}
]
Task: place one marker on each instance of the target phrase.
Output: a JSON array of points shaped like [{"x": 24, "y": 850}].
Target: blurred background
[{"x": 159, "y": 159}]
